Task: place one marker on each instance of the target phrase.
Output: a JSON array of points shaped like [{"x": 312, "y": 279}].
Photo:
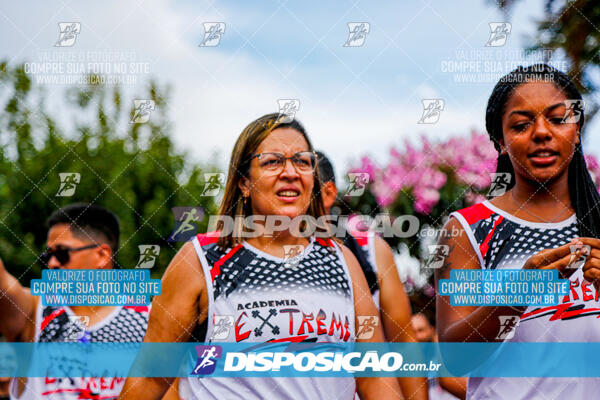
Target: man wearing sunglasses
[{"x": 80, "y": 236}]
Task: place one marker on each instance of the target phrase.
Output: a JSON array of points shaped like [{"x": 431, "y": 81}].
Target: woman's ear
[
  {"x": 244, "y": 185},
  {"x": 503, "y": 150}
]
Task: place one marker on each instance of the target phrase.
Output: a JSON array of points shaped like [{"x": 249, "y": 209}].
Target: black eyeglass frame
[{"x": 291, "y": 158}]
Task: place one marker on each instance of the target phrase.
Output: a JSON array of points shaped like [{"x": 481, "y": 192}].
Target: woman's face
[
  {"x": 539, "y": 144},
  {"x": 287, "y": 193}
]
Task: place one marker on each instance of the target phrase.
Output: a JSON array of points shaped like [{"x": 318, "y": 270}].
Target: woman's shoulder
[{"x": 474, "y": 213}]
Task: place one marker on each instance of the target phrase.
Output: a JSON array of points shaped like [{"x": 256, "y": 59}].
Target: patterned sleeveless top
[
  {"x": 60, "y": 324},
  {"x": 256, "y": 297},
  {"x": 503, "y": 241}
]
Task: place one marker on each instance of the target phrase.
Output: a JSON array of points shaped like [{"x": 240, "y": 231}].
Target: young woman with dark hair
[{"x": 547, "y": 217}]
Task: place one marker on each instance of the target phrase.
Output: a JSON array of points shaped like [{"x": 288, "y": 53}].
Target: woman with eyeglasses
[
  {"x": 254, "y": 283},
  {"x": 547, "y": 218}
]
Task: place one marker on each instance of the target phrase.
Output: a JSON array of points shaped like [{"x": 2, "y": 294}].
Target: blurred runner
[
  {"x": 80, "y": 236},
  {"x": 445, "y": 388},
  {"x": 377, "y": 262}
]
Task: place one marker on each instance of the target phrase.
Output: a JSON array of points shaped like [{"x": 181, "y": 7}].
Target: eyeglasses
[
  {"x": 304, "y": 162},
  {"x": 62, "y": 254}
]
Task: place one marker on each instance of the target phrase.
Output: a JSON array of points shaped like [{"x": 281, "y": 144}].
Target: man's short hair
[
  {"x": 89, "y": 222},
  {"x": 325, "y": 168}
]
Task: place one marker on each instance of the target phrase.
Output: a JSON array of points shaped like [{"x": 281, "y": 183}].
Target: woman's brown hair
[{"x": 252, "y": 136}]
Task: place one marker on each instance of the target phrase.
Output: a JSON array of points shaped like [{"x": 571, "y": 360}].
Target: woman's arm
[
  {"x": 396, "y": 313},
  {"x": 456, "y": 386},
  {"x": 481, "y": 324},
  {"x": 17, "y": 307},
  {"x": 368, "y": 387},
  {"x": 175, "y": 313},
  {"x": 464, "y": 324}
]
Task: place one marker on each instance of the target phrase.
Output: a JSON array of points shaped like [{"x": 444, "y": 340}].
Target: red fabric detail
[
  {"x": 361, "y": 237},
  {"x": 140, "y": 309},
  {"x": 216, "y": 269},
  {"x": 475, "y": 213},
  {"x": 208, "y": 237},
  {"x": 50, "y": 317},
  {"x": 326, "y": 243},
  {"x": 484, "y": 247}
]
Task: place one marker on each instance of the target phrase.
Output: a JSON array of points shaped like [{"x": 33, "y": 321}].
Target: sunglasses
[{"x": 62, "y": 254}]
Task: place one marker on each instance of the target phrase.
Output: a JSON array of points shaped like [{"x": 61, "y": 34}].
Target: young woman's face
[
  {"x": 287, "y": 193},
  {"x": 539, "y": 144}
]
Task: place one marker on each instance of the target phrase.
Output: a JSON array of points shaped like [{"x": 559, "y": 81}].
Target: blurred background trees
[
  {"x": 570, "y": 29},
  {"x": 133, "y": 169}
]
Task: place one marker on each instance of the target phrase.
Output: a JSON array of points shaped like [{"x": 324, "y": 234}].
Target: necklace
[{"x": 521, "y": 207}]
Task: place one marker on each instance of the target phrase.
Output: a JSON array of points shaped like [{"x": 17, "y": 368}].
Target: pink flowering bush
[
  {"x": 430, "y": 180},
  {"x": 426, "y": 175}
]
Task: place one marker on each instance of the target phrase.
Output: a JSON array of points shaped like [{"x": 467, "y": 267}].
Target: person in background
[
  {"x": 80, "y": 236},
  {"x": 377, "y": 263},
  {"x": 442, "y": 388},
  {"x": 8, "y": 365}
]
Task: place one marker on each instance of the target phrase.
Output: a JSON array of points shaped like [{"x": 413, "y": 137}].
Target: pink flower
[
  {"x": 425, "y": 199},
  {"x": 367, "y": 166},
  {"x": 594, "y": 168}
]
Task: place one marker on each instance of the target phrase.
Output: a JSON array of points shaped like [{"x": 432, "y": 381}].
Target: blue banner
[
  {"x": 95, "y": 287},
  {"x": 302, "y": 359},
  {"x": 505, "y": 287}
]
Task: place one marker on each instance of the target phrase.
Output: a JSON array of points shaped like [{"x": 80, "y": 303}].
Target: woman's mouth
[
  {"x": 288, "y": 195},
  {"x": 543, "y": 158}
]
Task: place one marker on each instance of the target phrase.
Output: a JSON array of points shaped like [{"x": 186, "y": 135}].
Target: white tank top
[
  {"x": 305, "y": 299},
  {"x": 60, "y": 324},
  {"x": 503, "y": 241}
]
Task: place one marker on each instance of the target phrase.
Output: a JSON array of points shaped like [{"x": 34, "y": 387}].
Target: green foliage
[
  {"x": 132, "y": 169},
  {"x": 570, "y": 27}
]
